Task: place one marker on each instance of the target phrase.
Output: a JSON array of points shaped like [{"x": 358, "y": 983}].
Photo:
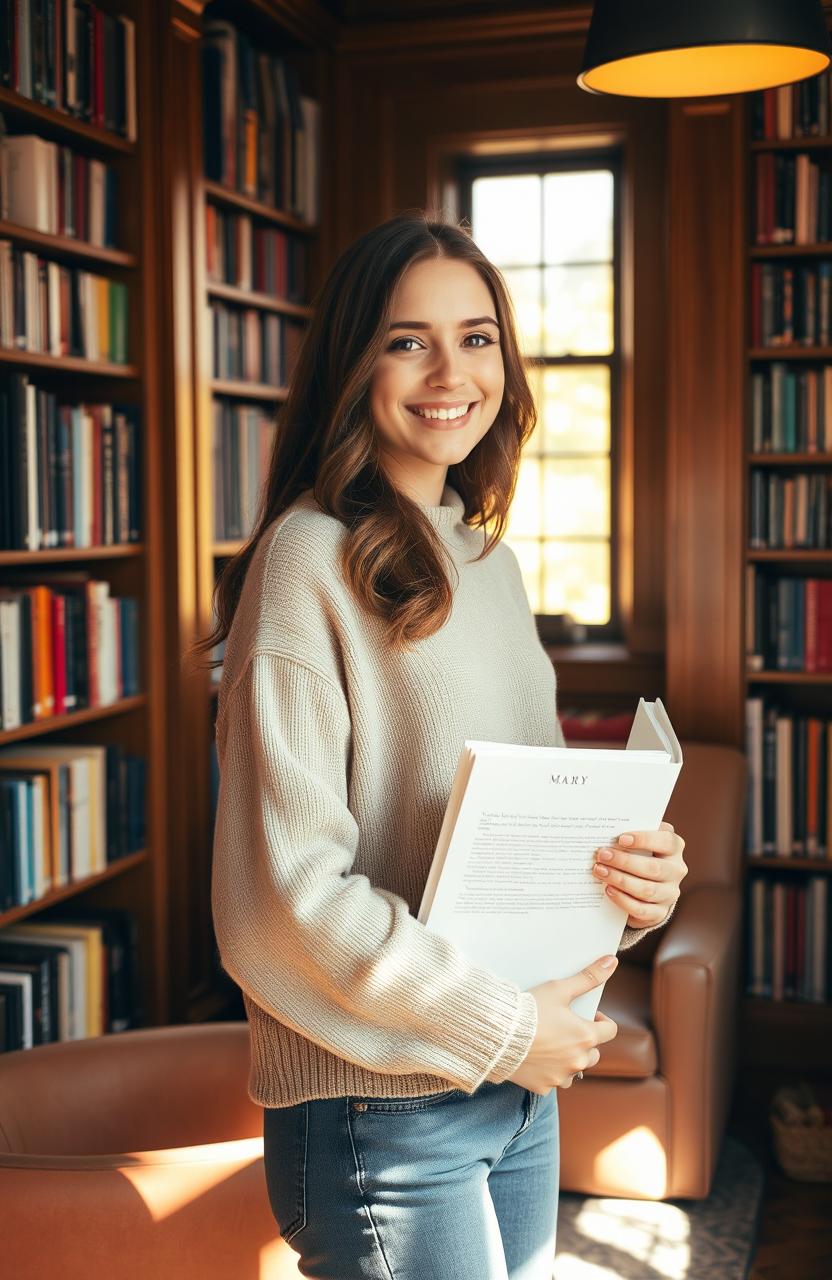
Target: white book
[
  {"x": 53, "y": 313},
  {"x": 66, "y": 1022},
  {"x": 754, "y": 752},
  {"x": 10, "y": 662},
  {"x": 511, "y": 881},
  {"x": 71, "y": 988},
  {"x": 97, "y": 184},
  {"x": 27, "y": 182}
]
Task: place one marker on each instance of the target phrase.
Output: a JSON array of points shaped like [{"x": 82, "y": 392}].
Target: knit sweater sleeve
[{"x": 314, "y": 944}]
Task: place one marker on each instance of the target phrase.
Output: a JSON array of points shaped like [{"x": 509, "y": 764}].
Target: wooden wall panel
[{"x": 706, "y": 325}]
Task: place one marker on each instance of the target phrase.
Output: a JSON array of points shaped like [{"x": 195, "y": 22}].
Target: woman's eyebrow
[{"x": 423, "y": 324}]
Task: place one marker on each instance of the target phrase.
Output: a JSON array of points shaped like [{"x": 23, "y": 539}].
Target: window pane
[
  {"x": 505, "y": 218},
  {"x": 574, "y": 409},
  {"x": 577, "y": 318},
  {"x": 576, "y": 497},
  {"x": 577, "y": 216},
  {"x": 524, "y": 513},
  {"x": 528, "y": 554},
  {"x": 524, "y": 287},
  {"x": 577, "y": 577}
]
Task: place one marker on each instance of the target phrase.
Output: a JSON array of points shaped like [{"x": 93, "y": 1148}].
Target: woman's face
[{"x": 442, "y": 352}]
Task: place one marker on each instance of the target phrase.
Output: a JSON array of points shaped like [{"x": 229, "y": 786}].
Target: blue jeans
[{"x": 448, "y": 1186}]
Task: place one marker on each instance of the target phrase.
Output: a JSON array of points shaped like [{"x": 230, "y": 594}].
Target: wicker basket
[{"x": 804, "y": 1150}]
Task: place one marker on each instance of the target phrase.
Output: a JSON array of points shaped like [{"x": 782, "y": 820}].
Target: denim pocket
[
  {"x": 285, "y": 1132},
  {"x": 421, "y": 1102}
]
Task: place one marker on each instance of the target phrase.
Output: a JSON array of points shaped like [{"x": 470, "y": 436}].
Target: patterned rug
[{"x": 713, "y": 1239}]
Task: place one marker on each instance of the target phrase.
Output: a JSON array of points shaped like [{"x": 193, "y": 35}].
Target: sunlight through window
[{"x": 550, "y": 230}]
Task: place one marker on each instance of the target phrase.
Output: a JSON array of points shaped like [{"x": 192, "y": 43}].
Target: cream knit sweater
[{"x": 336, "y": 760}]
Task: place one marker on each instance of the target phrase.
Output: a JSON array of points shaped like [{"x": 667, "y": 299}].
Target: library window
[{"x": 552, "y": 229}]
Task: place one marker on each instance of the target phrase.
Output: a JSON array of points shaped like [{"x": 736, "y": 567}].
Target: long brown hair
[{"x": 393, "y": 557}]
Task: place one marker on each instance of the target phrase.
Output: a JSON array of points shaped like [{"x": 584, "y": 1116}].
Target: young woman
[{"x": 373, "y": 621}]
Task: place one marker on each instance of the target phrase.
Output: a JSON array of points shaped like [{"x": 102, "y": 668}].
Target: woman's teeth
[{"x": 443, "y": 415}]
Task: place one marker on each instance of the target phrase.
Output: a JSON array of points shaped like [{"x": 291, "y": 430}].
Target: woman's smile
[{"x": 447, "y": 423}]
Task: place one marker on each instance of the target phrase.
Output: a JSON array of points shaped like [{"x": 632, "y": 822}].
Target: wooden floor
[{"x": 795, "y": 1235}]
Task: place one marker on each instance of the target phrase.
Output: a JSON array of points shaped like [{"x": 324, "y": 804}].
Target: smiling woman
[{"x": 375, "y": 621}]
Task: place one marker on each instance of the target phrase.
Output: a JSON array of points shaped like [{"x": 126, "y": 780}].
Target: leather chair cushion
[{"x": 626, "y": 999}]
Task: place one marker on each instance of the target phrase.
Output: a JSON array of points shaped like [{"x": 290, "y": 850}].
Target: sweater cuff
[
  {"x": 518, "y": 1043},
  {"x": 630, "y": 937}
]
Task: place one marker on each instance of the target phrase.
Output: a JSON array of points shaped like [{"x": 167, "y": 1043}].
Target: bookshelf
[
  {"x": 134, "y": 882},
  {"x": 249, "y": 259},
  {"x": 787, "y": 565}
]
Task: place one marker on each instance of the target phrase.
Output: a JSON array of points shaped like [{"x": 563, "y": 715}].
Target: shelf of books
[
  {"x": 260, "y": 207},
  {"x": 80, "y": 939},
  {"x": 788, "y": 578}
]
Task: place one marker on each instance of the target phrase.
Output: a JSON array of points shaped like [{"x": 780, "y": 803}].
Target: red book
[
  {"x": 756, "y": 304},
  {"x": 59, "y": 651},
  {"x": 824, "y": 640}
]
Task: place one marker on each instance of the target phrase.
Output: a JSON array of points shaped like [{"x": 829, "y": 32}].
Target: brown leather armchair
[
  {"x": 646, "y": 1122},
  {"x": 136, "y": 1155}
]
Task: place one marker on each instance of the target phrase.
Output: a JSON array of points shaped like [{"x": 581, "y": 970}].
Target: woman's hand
[
  {"x": 564, "y": 1042},
  {"x": 647, "y": 887}
]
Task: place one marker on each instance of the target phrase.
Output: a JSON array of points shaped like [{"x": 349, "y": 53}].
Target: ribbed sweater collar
[{"x": 448, "y": 515}]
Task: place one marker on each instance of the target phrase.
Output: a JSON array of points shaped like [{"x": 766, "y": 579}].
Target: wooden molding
[{"x": 456, "y": 31}]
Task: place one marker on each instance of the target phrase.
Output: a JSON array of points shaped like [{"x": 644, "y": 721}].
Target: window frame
[{"x": 468, "y": 168}]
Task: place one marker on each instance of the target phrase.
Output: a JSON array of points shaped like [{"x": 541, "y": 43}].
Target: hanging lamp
[{"x": 692, "y": 48}]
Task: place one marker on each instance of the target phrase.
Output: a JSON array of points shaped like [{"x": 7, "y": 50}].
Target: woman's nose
[{"x": 447, "y": 369}]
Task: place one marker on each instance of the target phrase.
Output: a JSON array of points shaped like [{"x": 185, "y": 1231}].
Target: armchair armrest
[{"x": 694, "y": 1000}]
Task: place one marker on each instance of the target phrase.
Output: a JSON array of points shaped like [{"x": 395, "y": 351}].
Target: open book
[{"x": 511, "y": 880}]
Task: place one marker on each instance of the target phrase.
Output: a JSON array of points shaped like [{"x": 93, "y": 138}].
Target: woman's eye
[{"x": 484, "y": 340}]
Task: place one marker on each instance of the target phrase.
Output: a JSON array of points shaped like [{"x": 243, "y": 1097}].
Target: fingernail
[
  {"x": 606, "y": 854},
  {"x": 607, "y": 962},
  {"x": 625, "y": 839}
]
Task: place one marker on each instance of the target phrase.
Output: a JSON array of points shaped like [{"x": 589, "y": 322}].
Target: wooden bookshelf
[
  {"x": 59, "y": 125},
  {"x": 302, "y": 32},
  {"x": 777, "y": 1031},
  {"x": 231, "y": 199},
  {"x": 137, "y": 882},
  {"x": 75, "y": 887},
  {"x": 791, "y": 864},
  {"x": 65, "y": 246},
  {"x": 62, "y": 555},
  {"x": 36, "y": 360},
  {"x": 251, "y": 298},
  {"x": 247, "y": 390}
]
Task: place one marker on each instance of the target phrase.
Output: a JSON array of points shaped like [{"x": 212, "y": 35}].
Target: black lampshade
[{"x": 692, "y": 48}]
